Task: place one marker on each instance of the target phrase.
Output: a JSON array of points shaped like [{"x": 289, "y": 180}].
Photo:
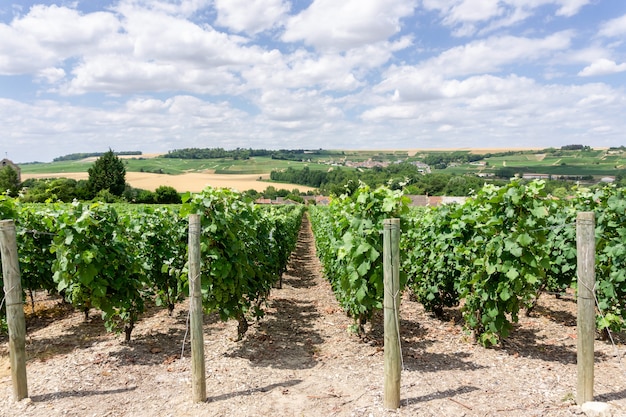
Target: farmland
[
  {"x": 474, "y": 267},
  {"x": 170, "y": 166},
  {"x": 552, "y": 162},
  {"x": 192, "y": 182},
  {"x": 557, "y": 162},
  {"x": 329, "y": 172}
]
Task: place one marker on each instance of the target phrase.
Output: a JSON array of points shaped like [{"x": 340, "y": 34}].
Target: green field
[
  {"x": 256, "y": 165},
  {"x": 592, "y": 162},
  {"x": 566, "y": 163}
]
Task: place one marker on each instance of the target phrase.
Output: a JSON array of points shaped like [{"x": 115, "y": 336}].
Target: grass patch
[{"x": 173, "y": 166}]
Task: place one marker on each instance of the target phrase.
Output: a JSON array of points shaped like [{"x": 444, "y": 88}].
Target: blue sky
[{"x": 153, "y": 76}]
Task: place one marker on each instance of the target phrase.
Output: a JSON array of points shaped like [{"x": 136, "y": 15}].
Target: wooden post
[
  {"x": 586, "y": 321},
  {"x": 195, "y": 311},
  {"x": 391, "y": 304},
  {"x": 15, "y": 308}
]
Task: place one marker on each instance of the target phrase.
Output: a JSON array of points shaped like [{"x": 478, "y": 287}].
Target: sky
[{"x": 154, "y": 76}]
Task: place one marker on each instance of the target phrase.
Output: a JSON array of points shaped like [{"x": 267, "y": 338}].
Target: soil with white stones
[{"x": 301, "y": 360}]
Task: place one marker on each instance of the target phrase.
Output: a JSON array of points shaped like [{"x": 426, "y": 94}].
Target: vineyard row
[
  {"x": 494, "y": 255},
  {"x": 118, "y": 258}
]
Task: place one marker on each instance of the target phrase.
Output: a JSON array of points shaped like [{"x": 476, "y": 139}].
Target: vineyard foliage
[
  {"x": 244, "y": 251},
  {"x": 161, "y": 237},
  {"x": 7, "y": 207},
  {"x": 97, "y": 266},
  {"x": 36, "y": 224},
  {"x": 120, "y": 258},
  {"x": 494, "y": 255},
  {"x": 609, "y": 204},
  {"x": 348, "y": 235}
]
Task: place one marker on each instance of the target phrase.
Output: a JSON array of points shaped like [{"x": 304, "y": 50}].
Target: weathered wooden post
[
  {"x": 391, "y": 304},
  {"x": 195, "y": 311},
  {"x": 586, "y": 321},
  {"x": 15, "y": 308}
]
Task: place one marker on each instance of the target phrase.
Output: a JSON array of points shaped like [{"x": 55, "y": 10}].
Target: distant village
[{"x": 370, "y": 163}]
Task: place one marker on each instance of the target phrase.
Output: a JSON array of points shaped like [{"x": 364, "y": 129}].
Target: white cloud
[
  {"x": 584, "y": 55},
  {"x": 137, "y": 49},
  {"x": 327, "y": 71},
  {"x": 17, "y": 51},
  {"x": 303, "y": 106},
  {"x": 52, "y": 34},
  {"x": 44, "y": 129},
  {"x": 160, "y": 52},
  {"x": 473, "y": 11},
  {"x": 181, "y": 8},
  {"x": 51, "y": 74},
  {"x": 602, "y": 67},
  {"x": 512, "y": 18},
  {"x": 486, "y": 109},
  {"x": 250, "y": 16},
  {"x": 156, "y": 36},
  {"x": 147, "y": 105},
  {"x": 347, "y": 24},
  {"x": 466, "y": 16},
  {"x": 391, "y": 111},
  {"x": 570, "y": 7},
  {"x": 614, "y": 28},
  {"x": 118, "y": 74},
  {"x": 602, "y": 129},
  {"x": 353, "y": 74},
  {"x": 492, "y": 54},
  {"x": 64, "y": 29},
  {"x": 466, "y": 13},
  {"x": 411, "y": 85}
]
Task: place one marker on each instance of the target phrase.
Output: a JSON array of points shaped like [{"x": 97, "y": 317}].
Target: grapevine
[
  {"x": 237, "y": 248},
  {"x": 349, "y": 241},
  {"x": 609, "y": 204},
  {"x": 96, "y": 265}
]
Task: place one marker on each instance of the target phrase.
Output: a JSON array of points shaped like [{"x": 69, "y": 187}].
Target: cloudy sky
[{"x": 153, "y": 76}]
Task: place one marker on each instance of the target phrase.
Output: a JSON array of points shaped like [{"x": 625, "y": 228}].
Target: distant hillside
[
  {"x": 79, "y": 156},
  {"x": 570, "y": 162}
]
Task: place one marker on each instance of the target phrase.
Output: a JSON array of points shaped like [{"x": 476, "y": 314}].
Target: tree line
[
  {"x": 79, "y": 156},
  {"x": 405, "y": 176},
  {"x": 106, "y": 182},
  {"x": 243, "y": 154},
  {"x": 213, "y": 153}
]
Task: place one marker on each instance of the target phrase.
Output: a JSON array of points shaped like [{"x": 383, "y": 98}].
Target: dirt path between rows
[{"x": 300, "y": 360}]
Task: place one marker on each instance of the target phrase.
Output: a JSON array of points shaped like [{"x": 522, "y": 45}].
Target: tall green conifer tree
[{"x": 107, "y": 173}]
